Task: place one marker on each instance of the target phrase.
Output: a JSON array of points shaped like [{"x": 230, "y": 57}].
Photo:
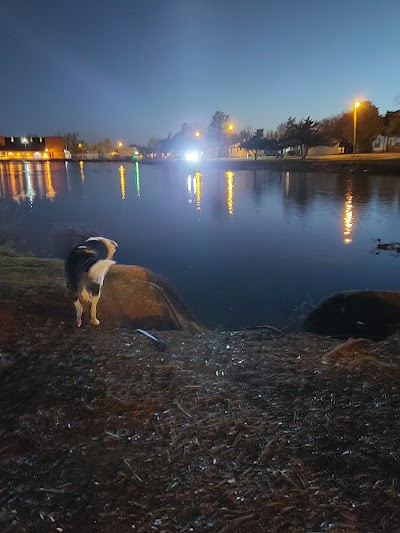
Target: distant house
[
  {"x": 386, "y": 144},
  {"x": 35, "y": 148},
  {"x": 335, "y": 149},
  {"x": 88, "y": 156},
  {"x": 235, "y": 151}
]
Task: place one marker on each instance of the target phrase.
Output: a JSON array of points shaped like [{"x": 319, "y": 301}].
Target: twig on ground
[{"x": 182, "y": 409}]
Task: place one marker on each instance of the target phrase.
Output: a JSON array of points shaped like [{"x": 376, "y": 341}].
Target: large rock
[
  {"x": 135, "y": 295},
  {"x": 34, "y": 289},
  {"x": 370, "y": 314}
]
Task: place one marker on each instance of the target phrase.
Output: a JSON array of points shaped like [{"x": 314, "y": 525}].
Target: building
[
  {"x": 125, "y": 152},
  {"x": 337, "y": 148},
  {"x": 386, "y": 144},
  {"x": 235, "y": 151},
  {"x": 88, "y": 156},
  {"x": 35, "y": 148}
]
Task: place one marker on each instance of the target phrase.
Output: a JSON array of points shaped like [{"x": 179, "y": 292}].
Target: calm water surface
[{"x": 242, "y": 248}]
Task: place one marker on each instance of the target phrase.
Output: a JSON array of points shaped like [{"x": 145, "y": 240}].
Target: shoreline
[
  {"x": 359, "y": 164},
  {"x": 388, "y": 164},
  {"x": 377, "y": 163}
]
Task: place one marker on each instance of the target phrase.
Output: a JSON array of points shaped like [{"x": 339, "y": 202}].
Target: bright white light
[{"x": 192, "y": 156}]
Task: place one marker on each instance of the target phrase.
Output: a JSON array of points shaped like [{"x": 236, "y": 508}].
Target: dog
[{"x": 85, "y": 269}]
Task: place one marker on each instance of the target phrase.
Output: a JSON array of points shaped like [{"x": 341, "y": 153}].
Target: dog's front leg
[
  {"x": 79, "y": 311},
  {"x": 93, "y": 310}
]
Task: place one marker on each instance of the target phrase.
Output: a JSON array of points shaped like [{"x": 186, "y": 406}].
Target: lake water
[{"x": 241, "y": 248}]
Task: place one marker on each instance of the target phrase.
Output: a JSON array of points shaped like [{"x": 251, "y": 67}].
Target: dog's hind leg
[
  {"x": 96, "y": 275},
  {"x": 93, "y": 309},
  {"x": 79, "y": 311}
]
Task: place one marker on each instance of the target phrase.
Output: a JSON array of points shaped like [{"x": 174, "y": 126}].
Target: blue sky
[{"x": 130, "y": 70}]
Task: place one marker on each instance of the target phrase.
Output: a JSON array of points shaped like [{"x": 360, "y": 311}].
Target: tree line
[{"x": 301, "y": 135}]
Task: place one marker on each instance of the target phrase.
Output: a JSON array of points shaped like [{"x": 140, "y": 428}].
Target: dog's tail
[{"x": 97, "y": 272}]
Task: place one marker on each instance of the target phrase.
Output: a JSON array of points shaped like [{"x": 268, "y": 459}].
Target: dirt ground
[{"x": 256, "y": 431}]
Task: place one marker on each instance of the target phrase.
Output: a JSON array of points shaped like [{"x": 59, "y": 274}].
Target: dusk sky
[{"x": 130, "y": 70}]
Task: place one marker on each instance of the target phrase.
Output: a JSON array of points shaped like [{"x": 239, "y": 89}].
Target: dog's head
[{"x": 110, "y": 245}]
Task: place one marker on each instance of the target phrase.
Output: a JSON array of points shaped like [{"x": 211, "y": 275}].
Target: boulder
[
  {"x": 368, "y": 314},
  {"x": 34, "y": 289}
]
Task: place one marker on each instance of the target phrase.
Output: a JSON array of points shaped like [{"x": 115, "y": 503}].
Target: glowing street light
[
  {"x": 356, "y": 105},
  {"x": 24, "y": 141},
  {"x": 230, "y": 127},
  {"x": 120, "y": 144},
  {"x": 197, "y": 134}
]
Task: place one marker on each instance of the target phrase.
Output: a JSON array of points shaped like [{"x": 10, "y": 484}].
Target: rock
[
  {"x": 137, "y": 295},
  {"x": 369, "y": 314},
  {"x": 34, "y": 289}
]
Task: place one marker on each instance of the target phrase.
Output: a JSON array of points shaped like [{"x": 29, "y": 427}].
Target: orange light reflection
[
  {"x": 122, "y": 182},
  {"x": 348, "y": 219},
  {"x": 230, "y": 191},
  {"x": 198, "y": 189}
]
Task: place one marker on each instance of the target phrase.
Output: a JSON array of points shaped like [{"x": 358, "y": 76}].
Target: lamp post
[
  {"x": 356, "y": 105},
  {"x": 223, "y": 130},
  {"x": 24, "y": 141}
]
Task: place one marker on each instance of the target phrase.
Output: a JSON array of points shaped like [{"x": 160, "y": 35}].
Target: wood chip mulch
[{"x": 220, "y": 432}]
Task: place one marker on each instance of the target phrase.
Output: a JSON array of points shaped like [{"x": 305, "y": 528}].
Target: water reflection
[
  {"x": 136, "y": 175},
  {"x": 13, "y": 182},
  {"x": 122, "y": 182},
  {"x": 50, "y": 191},
  {"x": 289, "y": 228},
  {"x": 348, "y": 218},
  {"x": 199, "y": 189},
  {"x": 195, "y": 187},
  {"x": 31, "y": 180},
  {"x": 230, "y": 191},
  {"x": 287, "y": 182},
  {"x": 30, "y": 190},
  {"x": 81, "y": 167}
]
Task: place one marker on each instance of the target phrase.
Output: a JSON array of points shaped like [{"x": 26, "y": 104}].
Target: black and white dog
[{"x": 85, "y": 269}]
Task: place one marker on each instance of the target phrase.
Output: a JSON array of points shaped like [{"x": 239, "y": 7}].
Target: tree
[
  {"x": 288, "y": 132},
  {"x": 303, "y": 134},
  {"x": 369, "y": 125},
  {"x": 241, "y": 136},
  {"x": 308, "y": 135},
  {"x": 103, "y": 147},
  {"x": 330, "y": 130},
  {"x": 183, "y": 140},
  {"x": 391, "y": 124},
  {"x": 255, "y": 144},
  {"x": 71, "y": 141},
  {"x": 217, "y": 130}
]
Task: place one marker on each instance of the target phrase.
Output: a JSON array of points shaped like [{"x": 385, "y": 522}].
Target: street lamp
[
  {"x": 230, "y": 127},
  {"x": 356, "y": 105},
  {"x": 24, "y": 141},
  {"x": 197, "y": 134}
]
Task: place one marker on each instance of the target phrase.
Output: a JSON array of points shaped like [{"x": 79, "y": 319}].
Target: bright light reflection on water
[{"x": 242, "y": 248}]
